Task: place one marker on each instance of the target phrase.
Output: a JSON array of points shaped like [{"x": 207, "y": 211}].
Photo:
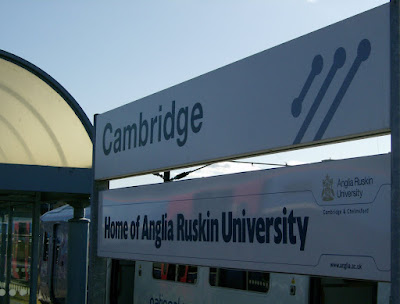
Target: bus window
[
  {"x": 164, "y": 271},
  {"x": 122, "y": 281},
  {"x": 230, "y": 278},
  {"x": 187, "y": 274},
  {"x": 157, "y": 271},
  {"x": 60, "y": 261},
  {"x": 174, "y": 272},
  {"x": 335, "y": 290},
  {"x": 258, "y": 281},
  {"x": 46, "y": 241},
  {"x": 239, "y": 279},
  {"x": 168, "y": 271}
]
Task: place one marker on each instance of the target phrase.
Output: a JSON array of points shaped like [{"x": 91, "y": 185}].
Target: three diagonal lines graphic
[{"x": 339, "y": 59}]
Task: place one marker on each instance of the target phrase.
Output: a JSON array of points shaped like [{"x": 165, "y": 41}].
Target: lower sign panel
[{"x": 328, "y": 219}]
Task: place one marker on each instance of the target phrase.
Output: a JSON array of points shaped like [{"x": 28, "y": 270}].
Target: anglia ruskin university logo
[
  {"x": 346, "y": 187},
  {"x": 339, "y": 59}
]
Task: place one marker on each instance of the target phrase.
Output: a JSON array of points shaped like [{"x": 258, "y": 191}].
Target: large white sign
[
  {"x": 325, "y": 86},
  {"x": 329, "y": 219}
]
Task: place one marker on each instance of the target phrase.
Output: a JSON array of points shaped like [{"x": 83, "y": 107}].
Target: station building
[{"x": 45, "y": 162}]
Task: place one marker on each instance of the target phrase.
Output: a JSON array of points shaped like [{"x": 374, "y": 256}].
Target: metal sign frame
[
  {"x": 395, "y": 140},
  {"x": 305, "y": 88},
  {"x": 315, "y": 219}
]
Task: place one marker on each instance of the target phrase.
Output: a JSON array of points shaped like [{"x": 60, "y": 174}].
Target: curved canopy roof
[{"x": 40, "y": 122}]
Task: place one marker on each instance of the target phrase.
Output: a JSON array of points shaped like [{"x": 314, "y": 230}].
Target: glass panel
[
  {"x": 230, "y": 278},
  {"x": 174, "y": 272},
  {"x": 60, "y": 261},
  {"x": 3, "y": 252},
  {"x": 168, "y": 271},
  {"x": 212, "y": 278},
  {"x": 16, "y": 246},
  {"x": 19, "y": 289},
  {"x": 46, "y": 246},
  {"x": 187, "y": 274},
  {"x": 348, "y": 291},
  {"x": 258, "y": 281},
  {"x": 122, "y": 281},
  {"x": 239, "y": 279},
  {"x": 157, "y": 271}
]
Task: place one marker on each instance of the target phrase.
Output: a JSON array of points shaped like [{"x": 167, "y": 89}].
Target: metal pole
[
  {"x": 78, "y": 237},
  {"x": 97, "y": 289},
  {"x": 395, "y": 140},
  {"x": 3, "y": 236},
  {"x": 9, "y": 253},
  {"x": 35, "y": 251},
  {"x": 167, "y": 176}
]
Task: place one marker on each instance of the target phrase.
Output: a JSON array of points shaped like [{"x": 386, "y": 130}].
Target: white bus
[{"x": 163, "y": 283}]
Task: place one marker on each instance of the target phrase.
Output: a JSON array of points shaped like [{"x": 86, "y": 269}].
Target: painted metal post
[
  {"x": 167, "y": 176},
  {"x": 35, "y": 251},
  {"x": 9, "y": 252},
  {"x": 97, "y": 292},
  {"x": 395, "y": 138},
  {"x": 78, "y": 237},
  {"x": 3, "y": 247}
]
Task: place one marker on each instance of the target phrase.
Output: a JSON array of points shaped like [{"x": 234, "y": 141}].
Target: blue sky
[{"x": 109, "y": 53}]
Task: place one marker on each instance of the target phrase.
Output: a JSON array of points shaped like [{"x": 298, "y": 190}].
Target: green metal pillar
[{"x": 78, "y": 240}]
